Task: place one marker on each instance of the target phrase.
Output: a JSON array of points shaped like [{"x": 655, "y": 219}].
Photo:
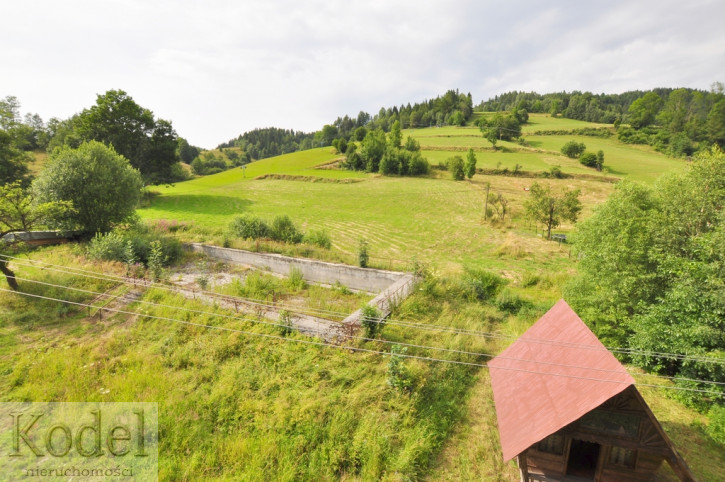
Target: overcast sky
[{"x": 219, "y": 68}]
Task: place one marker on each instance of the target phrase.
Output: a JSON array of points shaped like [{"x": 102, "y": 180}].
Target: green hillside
[
  {"x": 542, "y": 152},
  {"x": 242, "y": 399}
]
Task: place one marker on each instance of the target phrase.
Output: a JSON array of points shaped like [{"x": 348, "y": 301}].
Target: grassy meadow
[{"x": 242, "y": 400}]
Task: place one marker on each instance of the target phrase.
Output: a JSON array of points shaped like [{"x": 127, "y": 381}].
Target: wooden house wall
[{"x": 651, "y": 449}]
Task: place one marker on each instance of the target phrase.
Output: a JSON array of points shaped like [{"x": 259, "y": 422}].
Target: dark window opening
[
  {"x": 622, "y": 457},
  {"x": 553, "y": 444},
  {"x": 583, "y": 458}
]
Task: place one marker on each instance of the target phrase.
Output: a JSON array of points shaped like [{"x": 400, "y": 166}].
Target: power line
[
  {"x": 424, "y": 326},
  {"x": 352, "y": 348},
  {"x": 410, "y": 345}
]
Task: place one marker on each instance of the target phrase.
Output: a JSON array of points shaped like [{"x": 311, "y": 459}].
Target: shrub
[
  {"x": 257, "y": 285},
  {"x": 530, "y": 280},
  {"x": 399, "y": 376},
  {"x": 110, "y": 246},
  {"x": 284, "y": 230},
  {"x": 285, "y": 322},
  {"x": 249, "y": 227},
  {"x": 510, "y": 302},
  {"x": 133, "y": 246},
  {"x": 296, "y": 281},
  {"x": 390, "y": 163},
  {"x": 480, "y": 284},
  {"x": 455, "y": 165},
  {"x": 555, "y": 172},
  {"x": 362, "y": 254},
  {"x": 418, "y": 165},
  {"x": 589, "y": 159},
  {"x": 716, "y": 424},
  {"x": 319, "y": 238},
  {"x": 370, "y": 320},
  {"x": 157, "y": 260},
  {"x": 573, "y": 149}
]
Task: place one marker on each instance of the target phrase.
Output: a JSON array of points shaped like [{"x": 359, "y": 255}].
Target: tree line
[
  {"x": 677, "y": 122},
  {"x": 452, "y": 108},
  {"x": 149, "y": 143}
]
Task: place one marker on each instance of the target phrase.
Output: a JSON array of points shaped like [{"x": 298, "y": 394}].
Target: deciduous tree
[
  {"x": 18, "y": 213},
  {"x": 470, "y": 167},
  {"x": 101, "y": 184},
  {"x": 116, "y": 120},
  {"x": 551, "y": 209}
]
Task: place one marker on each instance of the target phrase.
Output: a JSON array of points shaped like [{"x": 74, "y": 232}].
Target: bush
[
  {"x": 589, "y": 159},
  {"x": 555, "y": 172},
  {"x": 257, "y": 285},
  {"x": 284, "y": 230},
  {"x": 510, "y": 302},
  {"x": 573, "y": 149},
  {"x": 319, "y": 238},
  {"x": 109, "y": 247},
  {"x": 157, "y": 260},
  {"x": 716, "y": 424},
  {"x": 285, "y": 323},
  {"x": 296, "y": 281},
  {"x": 418, "y": 165},
  {"x": 481, "y": 285},
  {"x": 399, "y": 376},
  {"x": 455, "y": 165},
  {"x": 362, "y": 254},
  {"x": 249, "y": 227},
  {"x": 390, "y": 163},
  {"x": 370, "y": 320},
  {"x": 133, "y": 246}
]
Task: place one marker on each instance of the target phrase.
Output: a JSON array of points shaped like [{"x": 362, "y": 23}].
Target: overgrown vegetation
[
  {"x": 386, "y": 155},
  {"x": 651, "y": 272},
  {"x": 135, "y": 244},
  {"x": 282, "y": 229}
]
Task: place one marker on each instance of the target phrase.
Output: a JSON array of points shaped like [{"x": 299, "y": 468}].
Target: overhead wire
[
  {"x": 354, "y": 348},
  {"x": 308, "y": 329},
  {"x": 424, "y": 326}
]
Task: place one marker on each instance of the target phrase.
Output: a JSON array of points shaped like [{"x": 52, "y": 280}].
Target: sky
[{"x": 218, "y": 68}]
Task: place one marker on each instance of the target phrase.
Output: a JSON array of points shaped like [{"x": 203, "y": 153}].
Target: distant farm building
[{"x": 569, "y": 411}]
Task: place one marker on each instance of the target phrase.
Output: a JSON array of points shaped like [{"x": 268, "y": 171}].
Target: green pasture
[
  {"x": 300, "y": 163},
  {"x": 527, "y": 161},
  {"x": 641, "y": 163},
  {"x": 244, "y": 406},
  {"x": 432, "y": 220},
  {"x": 542, "y": 152},
  {"x": 447, "y": 131},
  {"x": 544, "y": 122}
]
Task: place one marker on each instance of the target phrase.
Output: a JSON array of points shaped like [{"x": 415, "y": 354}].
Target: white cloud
[{"x": 219, "y": 68}]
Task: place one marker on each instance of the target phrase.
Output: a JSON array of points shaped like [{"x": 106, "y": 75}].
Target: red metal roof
[{"x": 552, "y": 375}]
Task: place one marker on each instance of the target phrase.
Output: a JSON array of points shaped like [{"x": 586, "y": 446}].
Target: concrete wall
[
  {"x": 364, "y": 279},
  {"x": 36, "y": 238},
  {"x": 386, "y": 299}
]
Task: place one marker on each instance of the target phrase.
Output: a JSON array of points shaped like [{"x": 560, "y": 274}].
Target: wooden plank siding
[{"x": 646, "y": 439}]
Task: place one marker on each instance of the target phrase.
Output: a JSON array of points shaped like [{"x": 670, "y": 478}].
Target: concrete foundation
[{"x": 363, "y": 279}]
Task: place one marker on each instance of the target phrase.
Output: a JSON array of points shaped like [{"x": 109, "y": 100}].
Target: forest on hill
[{"x": 677, "y": 122}]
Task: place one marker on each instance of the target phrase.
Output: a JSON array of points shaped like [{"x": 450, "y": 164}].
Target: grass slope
[
  {"x": 542, "y": 152},
  {"x": 238, "y": 406}
]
